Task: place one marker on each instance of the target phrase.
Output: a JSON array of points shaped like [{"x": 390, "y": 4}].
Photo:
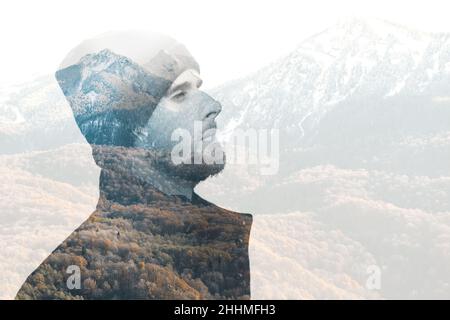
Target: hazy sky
[{"x": 228, "y": 38}]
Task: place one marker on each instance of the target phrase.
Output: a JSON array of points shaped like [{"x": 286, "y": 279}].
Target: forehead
[{"x": 189, "y": 76}]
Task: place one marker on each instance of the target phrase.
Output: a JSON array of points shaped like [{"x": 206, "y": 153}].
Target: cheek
[
  {"x": 160, "y": 127},
  {"x": 164, "y": 121},
  {"x": 184, "y": 114},
  {"x": 169, "y": 116}
]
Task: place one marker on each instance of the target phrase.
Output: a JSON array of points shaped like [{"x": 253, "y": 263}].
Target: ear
[{"x": 69, "y": 79}]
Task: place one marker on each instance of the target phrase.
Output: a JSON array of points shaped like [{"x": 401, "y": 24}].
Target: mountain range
[{"x": 363, "y": 113}]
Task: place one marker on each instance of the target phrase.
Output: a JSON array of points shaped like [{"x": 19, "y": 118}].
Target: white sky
[{"x": 228, "y": 38}]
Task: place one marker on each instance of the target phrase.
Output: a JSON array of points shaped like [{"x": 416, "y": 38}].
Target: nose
[{"x": 212, "y": 107}]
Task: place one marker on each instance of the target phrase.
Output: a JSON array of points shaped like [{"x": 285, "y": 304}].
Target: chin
[
  {"x": 194, "y": 172},
  {"x": 212, "y": 164}
]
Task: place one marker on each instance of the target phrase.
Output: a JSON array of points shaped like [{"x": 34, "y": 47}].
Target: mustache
[{"x": 209, "y": 130}]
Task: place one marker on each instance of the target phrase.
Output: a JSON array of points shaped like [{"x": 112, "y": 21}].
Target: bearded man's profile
[{"x": 151, "y": 236}]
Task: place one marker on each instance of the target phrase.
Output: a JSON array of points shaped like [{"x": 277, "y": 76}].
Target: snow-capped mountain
[
  {"x": 36, "y": 116},
  {"x": 40, "y": 114},
  {"x": 104, "y": 89},
  {"x": 363, "y": 110},
  {"x": 363, "y": 94},
  {"x": 355, "y": 62}
]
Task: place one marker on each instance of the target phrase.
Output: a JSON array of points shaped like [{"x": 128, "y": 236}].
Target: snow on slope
[{"x": 364, "y": 153}]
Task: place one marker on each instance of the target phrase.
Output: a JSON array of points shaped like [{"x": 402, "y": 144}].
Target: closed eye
[{"x": 179, "y": 95}]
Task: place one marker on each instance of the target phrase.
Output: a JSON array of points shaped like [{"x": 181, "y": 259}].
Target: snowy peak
[
  {"x": 106, "y": 80},
  {"x": 101, "y": 60},
  {"x": 354, "y": 60},
  {"x": 372, "y": 37},
  {"x": 110, "y": 95}
]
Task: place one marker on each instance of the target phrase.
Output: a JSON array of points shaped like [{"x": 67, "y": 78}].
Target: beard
[{"x": 201, "y": 166}]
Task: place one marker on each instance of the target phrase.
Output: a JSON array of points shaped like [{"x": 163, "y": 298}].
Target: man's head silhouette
[
  {"x": 151, "y": 236},
  {"x": 129, "y": 92}
]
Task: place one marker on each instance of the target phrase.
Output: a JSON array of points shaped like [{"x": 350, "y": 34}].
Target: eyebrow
[
  {"x": 181, "y": 86},
  {"x": 184, "y": 85}
]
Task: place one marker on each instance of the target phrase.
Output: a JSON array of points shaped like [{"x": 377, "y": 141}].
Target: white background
[{"x": 228, "y": 38}]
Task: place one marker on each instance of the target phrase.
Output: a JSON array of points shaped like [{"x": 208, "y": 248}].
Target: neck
[
  {"x": 129, "y": 173},
  {"x": 167, "y": 183}
]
